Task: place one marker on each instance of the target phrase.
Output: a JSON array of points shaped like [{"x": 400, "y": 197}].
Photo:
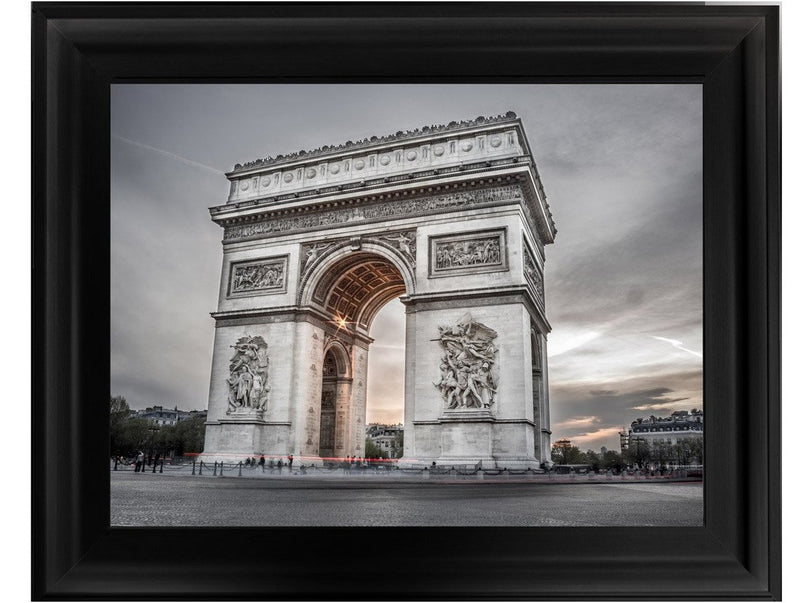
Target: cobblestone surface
[{"x": 171, "y": 499}]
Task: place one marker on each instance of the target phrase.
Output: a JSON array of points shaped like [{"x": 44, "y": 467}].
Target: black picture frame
[{"x": 80, "y": 49}]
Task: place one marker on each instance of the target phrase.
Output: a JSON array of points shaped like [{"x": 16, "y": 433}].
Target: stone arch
[
  {"x": 341, "y": 355},
  {"x": 353, "y": 236},
  {"x": 354, "y": 281}
]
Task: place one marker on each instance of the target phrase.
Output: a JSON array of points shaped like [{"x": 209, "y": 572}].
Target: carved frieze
[
  {"x": 469, "y": 371},
  {"x": 248, "y": 376},
  {"x": 405, "y": 242},
  {"x": 402, "y": 241},
  {"x": 532, "y": 273},
  {"x": 483, "y": 251},
  {"x": 383, "y": 210},
  {"x": 267, "y": 275}
]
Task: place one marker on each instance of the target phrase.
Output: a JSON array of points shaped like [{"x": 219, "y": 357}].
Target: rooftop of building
[{"x": 680, "y": 418}]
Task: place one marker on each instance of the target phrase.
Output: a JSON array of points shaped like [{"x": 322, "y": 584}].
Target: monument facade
[{"x": 453, "y": 220}]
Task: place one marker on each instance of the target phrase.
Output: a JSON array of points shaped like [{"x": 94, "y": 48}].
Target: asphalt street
[{"x": 178, "y": 500}]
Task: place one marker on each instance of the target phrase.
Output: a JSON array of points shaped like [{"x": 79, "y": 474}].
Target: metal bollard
[
  {"x": 115, "y": 463},
  {"x": 193, "y": 466},
  {"x": 215, "y": 468},
  {"x": 240, "y": 469},
  {"x": 161, "y": 466},
  {"x": 200, "y": 468},
  {"x": 154, "y": 469}
]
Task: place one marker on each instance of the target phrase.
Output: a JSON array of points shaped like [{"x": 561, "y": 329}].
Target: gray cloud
[{"x": 613, "y": 410}]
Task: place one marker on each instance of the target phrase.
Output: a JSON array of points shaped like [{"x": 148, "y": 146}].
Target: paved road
[{"x": 173, "y": 500}]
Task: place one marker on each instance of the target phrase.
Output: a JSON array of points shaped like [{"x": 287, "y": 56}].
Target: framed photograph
[{"x": 410, "y": 449}]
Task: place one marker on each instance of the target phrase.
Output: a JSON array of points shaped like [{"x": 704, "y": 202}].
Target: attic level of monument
[
  {"x": 424, "y": 132},
  {"x": 480, "y": 151}
]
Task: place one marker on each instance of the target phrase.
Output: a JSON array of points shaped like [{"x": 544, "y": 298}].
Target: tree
[
  {"x": 119, "y": 414},
  {"x": 611, "y": 461},
  {"x": 564, "y": 453},
  {"x": 399, "y": 444},
  {"x": 189, "y": 434},
  {"x": 134, "y": 435},
  {"x": 129, "y": 434},
  {"x": 638, "y": 452},
  {"x": 373, "y": 451},
  {"x": 695, "y": 446},
  {"x": 593, "y": 459},
  {"x": 688, "y": 451},
  {"x": 661, "y": 453}
]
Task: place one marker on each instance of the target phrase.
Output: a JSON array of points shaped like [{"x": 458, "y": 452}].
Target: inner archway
[
  {"x": 355, "y": 288},
  {"x": 351, "y": 287}
]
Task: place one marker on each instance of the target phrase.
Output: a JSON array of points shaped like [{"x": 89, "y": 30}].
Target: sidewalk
[{"x": 442, "y": 475}]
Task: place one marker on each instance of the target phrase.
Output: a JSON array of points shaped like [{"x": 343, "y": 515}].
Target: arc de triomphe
[{"x": 451, "y": 219}]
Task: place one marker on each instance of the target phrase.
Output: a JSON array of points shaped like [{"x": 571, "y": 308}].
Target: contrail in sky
[
  {"x": 677, "y": 344},
  {"x": 183, "y": 160}
]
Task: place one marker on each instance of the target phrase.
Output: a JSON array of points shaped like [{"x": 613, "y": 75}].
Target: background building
[
  {"x": 166, "y": 416},
  {"x": 672, "y": 442},
  {"x": 388, "y": 438},
  {"x": 680, "y": 425}
]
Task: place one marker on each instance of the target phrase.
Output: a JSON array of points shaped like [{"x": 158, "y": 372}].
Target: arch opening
[
  {"x": 351, "y": 290},
  {"x": 333, "y": 377}
]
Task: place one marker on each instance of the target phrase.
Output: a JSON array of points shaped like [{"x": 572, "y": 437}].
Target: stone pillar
[
  {"x": 343, "y": 401},
  {"x": 304, "y": 406},
  {"x": 411, "y": 451},
  {"x": 544, "y": 426},
  {"x": 233, "y": 435},
  {"x": 502, "y": 435},
  {"x": 357, "y": 435}
]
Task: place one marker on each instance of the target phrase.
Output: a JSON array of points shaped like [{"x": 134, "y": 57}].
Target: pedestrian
[
  {"x": 290, "y": 463},
  {"x": 279, "y": 465},
  {"x": 140, "y": 464},
  {"x": 248, "y": 461},
  {"x": 262, "y": 462}
]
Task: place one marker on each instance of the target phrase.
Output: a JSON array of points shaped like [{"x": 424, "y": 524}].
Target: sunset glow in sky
[{"x": 622, "y": 168}]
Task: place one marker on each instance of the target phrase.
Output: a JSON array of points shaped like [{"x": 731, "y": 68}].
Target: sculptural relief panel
[
  {"x": 248, "y": 376},
  {"x": 468, "y": 371},
  {"x": 481, "y": 251},
  {"x": 258, "y": 277},
  {"x": 533, "y": 273}
]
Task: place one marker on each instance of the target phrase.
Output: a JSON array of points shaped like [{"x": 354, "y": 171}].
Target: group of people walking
[{"x": 278, "y": 464}]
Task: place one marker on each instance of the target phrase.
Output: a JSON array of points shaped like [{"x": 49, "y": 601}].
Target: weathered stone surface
[{"x": 454, "y": 221}]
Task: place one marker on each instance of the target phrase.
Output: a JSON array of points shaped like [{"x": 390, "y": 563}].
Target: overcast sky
[{"x": 622, "y": 169}]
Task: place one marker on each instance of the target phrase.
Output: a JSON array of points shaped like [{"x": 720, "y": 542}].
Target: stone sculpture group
[
  {"x": 469, "y": 372},
  {"x": 248, "y": 375},
  {"x": 258, "y": 276},
  {"x": 468, "y": 253}
]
